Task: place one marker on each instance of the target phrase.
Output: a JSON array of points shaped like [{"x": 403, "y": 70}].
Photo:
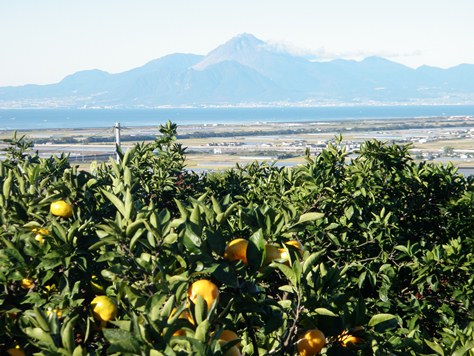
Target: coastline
[{"x": 219, "y": 146}]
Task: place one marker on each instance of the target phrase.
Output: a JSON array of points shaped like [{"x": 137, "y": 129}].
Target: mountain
[{"x": 247, "y": 70}]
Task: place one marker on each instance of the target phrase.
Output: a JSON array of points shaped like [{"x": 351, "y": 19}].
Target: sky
[{"x": 42, "y": 41}]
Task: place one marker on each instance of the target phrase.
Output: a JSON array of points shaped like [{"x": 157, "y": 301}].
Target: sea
[{"x": 36, "y": 119}]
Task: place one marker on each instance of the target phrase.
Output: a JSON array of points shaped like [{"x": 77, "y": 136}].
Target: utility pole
[{"x": 117, "y": 139}]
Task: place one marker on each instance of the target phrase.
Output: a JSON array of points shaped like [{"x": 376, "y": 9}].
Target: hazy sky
[{"x": 42, "y": 41}]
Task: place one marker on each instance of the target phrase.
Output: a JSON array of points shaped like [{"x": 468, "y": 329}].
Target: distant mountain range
[{"x": 248, "y": 71}]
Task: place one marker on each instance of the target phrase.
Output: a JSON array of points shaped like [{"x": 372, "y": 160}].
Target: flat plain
[{"x": 220, "y": 146}]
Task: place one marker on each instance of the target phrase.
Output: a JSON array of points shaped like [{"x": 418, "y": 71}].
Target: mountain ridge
[{"x": 248, "y": 71}]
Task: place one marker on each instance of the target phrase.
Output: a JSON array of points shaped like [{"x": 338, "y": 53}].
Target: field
[{"x": 440, "y": 139}]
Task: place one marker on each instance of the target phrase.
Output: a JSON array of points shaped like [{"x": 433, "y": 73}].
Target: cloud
[{"x": 321, "y": 54}]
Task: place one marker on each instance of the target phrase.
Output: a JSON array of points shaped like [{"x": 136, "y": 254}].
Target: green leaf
[
  {"x": 361, "y": 279},
  {"x": 182, "y": 209},
  {"x": 287, "y": 271},
  {"x": 115, "y": 201},
  {"x": 39, "y": 334},
  {"x": 67, "y": 335},
  {"x": 310, "y": 217},
  {"x": 41, "y": 319},
  {"x": 121, "y": 341},
  {"x": 464, "y": 349},
  {"x": 256, "y": 250},
  {"x": 133, "y": 227},
  {"x": 311, "y": 261},
  {"x": 200, "y": 309},
  {"x": 382, "y": 322},
  {"x": 202, "y": 330},
  {"x": 191, "y": 240},
  {"x": 434, "y": 346},
  {"x": 78, "y": 351},
  {"x": 324, "y": 311},
  {"x": 348, "y": 212},
  {"x": 196, "y": 215},
  {"x": 155, "y": 310},
  {"x": 223, "y": 273},
  {"x": 129, "y": 210},
  {"x": 216, "y": 205}
]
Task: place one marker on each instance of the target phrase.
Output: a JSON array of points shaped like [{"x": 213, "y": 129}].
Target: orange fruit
[
  {"x": 103, "y": 308},
  {"x": 61, "y": 208},
  {"x": 236, "y": 250},
  {"x": 26, "y": 283},
  {"x": 184, "y": 315},
  {"x": 57, "y": 311},
  {"x": 40, "y": 234},
  {"x": 351, "y": 340},
  {"x": 229, "y": 335},
  {"x": 294, "y": 243},
  {"x": 298, "y": 245},
  {"x": 233, "y": 351},
  {"x": 311, "y": 343},
  {"x": 272, "y": 252},
  {"x": 206, "y": 289},
  {"x": 16, "y": 351}
]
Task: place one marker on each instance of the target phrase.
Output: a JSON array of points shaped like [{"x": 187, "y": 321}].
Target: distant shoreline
[{"x": 220, "y": 145}]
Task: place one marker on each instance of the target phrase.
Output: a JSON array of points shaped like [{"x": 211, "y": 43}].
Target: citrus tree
[{"x": 339, "y": 256}]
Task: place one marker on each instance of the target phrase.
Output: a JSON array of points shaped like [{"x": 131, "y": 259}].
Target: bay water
[{"x": 36, "y": 119}]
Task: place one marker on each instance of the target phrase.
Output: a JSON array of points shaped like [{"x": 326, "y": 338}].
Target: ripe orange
[
  {"x": 57, "y": 311},
  {"x": 40, "y": 234},
  {"x": 233, "y": 351},
  {"x": 16, "y": 351},
  {"x": 351, "y": 340},
  {"x": 26, "y": 283},
  {"x": 61, "y": 208},
  {"x": 184, "y": 315},
  {"x": 311, "y": 343},
  {"x": 236, "y": 250},
  {"x": 206, "y": 289},
  {"x": 296, "y": 244},
  {"x": 229, "y": 335},
  {"x": 272, "y": 252},
  {"x": 103, "y": 308}
]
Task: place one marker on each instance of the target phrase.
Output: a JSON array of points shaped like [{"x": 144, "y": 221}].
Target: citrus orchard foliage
[{"x": 369, "y": 255}]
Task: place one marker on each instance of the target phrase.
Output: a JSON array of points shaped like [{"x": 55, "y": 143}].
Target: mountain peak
[
  {"x": 237, "y": 48},
  {"x": 244, "y": 40}
]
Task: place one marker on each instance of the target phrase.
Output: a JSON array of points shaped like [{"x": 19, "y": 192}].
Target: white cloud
[{"x": 322, "y": 54}]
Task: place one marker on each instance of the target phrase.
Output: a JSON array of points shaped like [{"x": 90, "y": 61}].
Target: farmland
[{"x": 439, "y": 139}]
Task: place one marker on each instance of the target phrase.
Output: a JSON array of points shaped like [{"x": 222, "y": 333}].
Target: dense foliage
[{"x": 388, "y": 254}]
